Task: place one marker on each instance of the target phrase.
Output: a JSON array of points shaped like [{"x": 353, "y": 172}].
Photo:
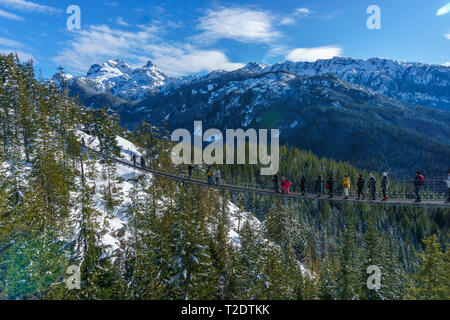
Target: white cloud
[
  {"x": 277, "y": 50},
  {"x": 97, "y": 44},
  {"x": 302, "y": 12},
  {"x": 241, "y": 24},
  {"x": 12, "y": 46},
  {"x": 111, "y": 3},
  {"x": 447, "y": 35},
  {"x": 122, "y": 22},
  {"x": 298, "y": 13},
  {"x": 9, "y": 15},
  {"x": 444, "y": 10},
  {"x": 313, "y": 54},
  {"x": 10, "y": 43},
  {"x": 23, "y": 56},
  {"x": 177, "y": 60},
  {"x": 287, "y": 21},
  {"x": 447, "y": 64},
  {"x": 28, "y": 6}
]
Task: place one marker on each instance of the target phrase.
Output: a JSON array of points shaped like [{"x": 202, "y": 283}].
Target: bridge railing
[{"x": 435, "y": 188}]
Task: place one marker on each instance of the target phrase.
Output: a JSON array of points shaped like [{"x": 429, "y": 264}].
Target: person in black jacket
[
  {"x": 275, "y": 180},
  {"x": 360, "y": 184},
  {"x": 384, "y": 185},
  {"x": 303, "y": 185},
  {"x": 319, "y": 186},
  {"x": 330, "y": 183},
  {"x": 190, "y": 169},
  {"x": 372, "y": 187}
]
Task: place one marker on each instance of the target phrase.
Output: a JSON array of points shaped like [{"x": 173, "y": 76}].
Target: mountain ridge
[
  {"x": 413, "y": 82},
  {"x": 313, "y": 109}
]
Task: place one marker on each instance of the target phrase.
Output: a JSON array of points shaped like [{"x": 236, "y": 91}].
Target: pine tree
[
  {"x": 347, "y": 274},
  {"x": 432, "y": 279},
  {"x": 372, "y": 257},
  {"x": 327, "y": 281},
  {"x": 190, "y": 262},
  {"x": 149, "y": 261},
  {"x": 251, "y": 264}
]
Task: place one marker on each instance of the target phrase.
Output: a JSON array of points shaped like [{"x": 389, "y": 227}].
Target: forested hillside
[
  {"x": 377, "y": 114},
  {"x": 332, "y": 118},
  {"x": 136, "y": 236}
]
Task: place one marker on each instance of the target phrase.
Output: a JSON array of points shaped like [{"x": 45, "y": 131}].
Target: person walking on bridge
[
  {"x": 372, "y": 187},
  {"x": 190, "y": 169},
  {"x": 418, "y": 182},
  {"x": 319, "y": 186},
  {"x": 360, "y": 185},
  {"x": 283, "y": 185},
  {"x": 303, "y": 185},
  {"x": 275, "y": 180},
  {"x": 346, "y": 186},
  {"x": 133, "y": 158},
  {"x": 288, "y": 183},
  {"x": 330, "y": 185},
  {"x": 218, "y": 175},
  {"x": 384, "y": 186},
  {"x": 209, "y": 175},
  {"x": 142, "y": 162}
]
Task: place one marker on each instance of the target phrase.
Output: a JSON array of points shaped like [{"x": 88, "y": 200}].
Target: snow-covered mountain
[
  {"x": 121, "y": 79},
  {"x": 330, "y": 117},
  {"x": 337, "y": 102},
  {"x": 417, "y": 83}
]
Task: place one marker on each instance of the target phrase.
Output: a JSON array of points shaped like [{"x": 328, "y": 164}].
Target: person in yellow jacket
[
  {"x": 209, "y": 175},
  {"x": 346, "y": 185}
]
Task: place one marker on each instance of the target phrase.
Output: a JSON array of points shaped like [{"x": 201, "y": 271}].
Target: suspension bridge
[{"x": 427, "y": 203}]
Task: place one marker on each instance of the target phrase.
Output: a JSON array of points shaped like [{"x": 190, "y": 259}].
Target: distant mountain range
[
  {"x": 376, "y": 113},
  {"x": 416, "y": 83}
]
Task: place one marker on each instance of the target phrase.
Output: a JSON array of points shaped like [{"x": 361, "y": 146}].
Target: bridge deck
[{"x": 391, "y": 202}]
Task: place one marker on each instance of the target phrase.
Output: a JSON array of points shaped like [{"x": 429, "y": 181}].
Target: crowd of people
[
  {"x": 322, "y": 187},
  {"x": 327, "y": 187},
  {"x": 418, "y": 181},
  {"x": 217, "y": 175}
]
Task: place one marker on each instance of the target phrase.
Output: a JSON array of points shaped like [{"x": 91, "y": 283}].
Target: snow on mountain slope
[
  {"x": 413, "y": 82},
  {"x": 123, "y": 80},
  {"x": 116, "y": 221},
  {"x": 416, "y": 83},
  {"x": 114, "y": 224}
]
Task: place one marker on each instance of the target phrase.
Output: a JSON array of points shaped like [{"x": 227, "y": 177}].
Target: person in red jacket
[
  {"x": 283, "y": 185},
  {"x": 419, "y": 182},
  {"x": 288, "y": 184}
]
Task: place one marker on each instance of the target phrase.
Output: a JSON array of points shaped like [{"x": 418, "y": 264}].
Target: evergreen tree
[
  {"x": 432, "y": 279},
  {"x": 347, "y": 274}
]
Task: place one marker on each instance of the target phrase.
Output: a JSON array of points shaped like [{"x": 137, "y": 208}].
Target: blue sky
[{"x": 184, "y": 37}]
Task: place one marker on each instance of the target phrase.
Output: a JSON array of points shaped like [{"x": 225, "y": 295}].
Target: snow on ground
[
  {"x": 237, "y": 220},
  {"x": 117, "y": 220}
]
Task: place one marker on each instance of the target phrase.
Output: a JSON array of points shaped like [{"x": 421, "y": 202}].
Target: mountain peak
[
  {"x": 150, "y": 64},
  {"x": 119, "y": 78},
  {"x": 254, "y": 67}
]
